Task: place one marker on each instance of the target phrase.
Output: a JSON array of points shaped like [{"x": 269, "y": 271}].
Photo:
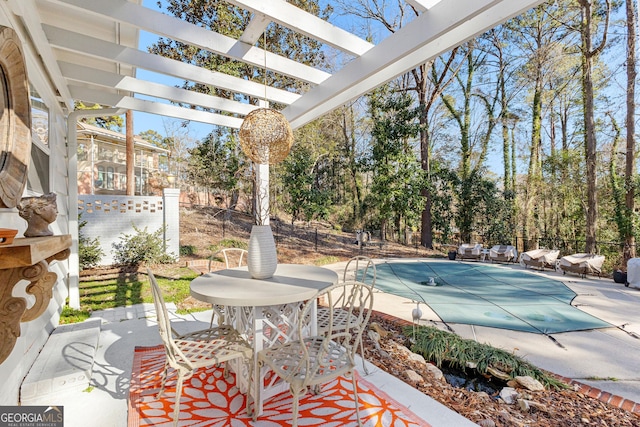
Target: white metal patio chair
[
  {"x": 358, "y": 268},
  {"x": 232, "y": 257},
  {"x": 310, "y": 361},
  {"x": 187, "y": 352}
]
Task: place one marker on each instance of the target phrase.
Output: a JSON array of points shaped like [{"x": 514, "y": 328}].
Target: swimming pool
[{"x": 485, "y": 295}]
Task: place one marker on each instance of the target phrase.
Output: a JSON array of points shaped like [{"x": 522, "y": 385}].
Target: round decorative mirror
[{"x": 15, "y": 120}]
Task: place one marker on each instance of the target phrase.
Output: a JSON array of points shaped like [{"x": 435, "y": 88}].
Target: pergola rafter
[{"x": 92, "y": 53}]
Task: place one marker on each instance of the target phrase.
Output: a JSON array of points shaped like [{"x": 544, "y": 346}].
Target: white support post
[
  {"x": 171, "y": 215},
  {"x": 262, "y": 185},
  {"x": 262, "y": 194},
  {"x": 72, "y": 153}
]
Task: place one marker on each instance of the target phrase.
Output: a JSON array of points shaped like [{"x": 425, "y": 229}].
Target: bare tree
[
  {"x": 630, "y": 240},
  {"x": 427, "y": 84},
  {"x": 589, "y": 56},
  {"x": 538, "y": 35}
]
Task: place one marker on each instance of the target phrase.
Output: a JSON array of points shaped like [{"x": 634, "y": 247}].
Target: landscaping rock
[
  {"x": 524, "y": 405},
  {"x": 379, "y": 329},
  {"x": 509, "y": 395},
  {"x": 530, "y": 383},
  {"x": 413, "y": 377},
  {"x": 435, "y": 371},
  {"x": 498, "y": 373}
]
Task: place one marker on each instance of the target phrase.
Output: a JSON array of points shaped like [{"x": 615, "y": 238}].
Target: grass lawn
[
  {"x": 134, "y": 288},
  {"x": 129, "y": 289}
]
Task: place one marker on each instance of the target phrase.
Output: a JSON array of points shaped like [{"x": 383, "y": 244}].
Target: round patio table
[
  {"x": 265, "y": 311},
  {"x": 235, "y": 287}
]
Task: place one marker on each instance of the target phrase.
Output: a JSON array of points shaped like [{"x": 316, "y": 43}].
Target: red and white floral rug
[{"x": 209, "y": 399}]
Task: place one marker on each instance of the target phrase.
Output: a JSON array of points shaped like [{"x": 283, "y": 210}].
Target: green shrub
[
  {"x": 141, "y": 247},
  {"x": 229, "y": 243},
  {"x": 89, "y": 251},
  {"x": 328, "y": 259},
  {"x": 187, "y": 250}
]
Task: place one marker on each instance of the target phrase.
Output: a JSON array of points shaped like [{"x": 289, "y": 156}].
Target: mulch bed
[{"x": 571, "y": 407}]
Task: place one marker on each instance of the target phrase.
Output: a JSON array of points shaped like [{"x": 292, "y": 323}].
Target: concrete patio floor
[
  {"x": 606, "y": 359},
  {"x": 104, "y": 403}
]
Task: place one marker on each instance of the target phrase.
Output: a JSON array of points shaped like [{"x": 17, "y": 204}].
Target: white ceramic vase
[{"x": 262, "y": 259}]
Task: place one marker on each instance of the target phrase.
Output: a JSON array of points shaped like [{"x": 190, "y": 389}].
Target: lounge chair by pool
[
  {"x": 540, "y": 258},
  {"x": 502, "y": 253},
  {"x": 470, "y": 251},
  {"x": 582, "y": 264}
]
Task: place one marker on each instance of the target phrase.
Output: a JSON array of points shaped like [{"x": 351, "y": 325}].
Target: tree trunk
[
  {"x": 630, "y": 241},
  {"x": 590, "y": 149},
  {"x": 350, "y": 145},
  {"x": 426, "y": 233},
  {"x": 426, "y": 228},
  {"x": 530, "y": 211},
  {"x": 131, "y": 181},
  {"x": 507, "y": 117},
  {"x": 588, "y": 55}
]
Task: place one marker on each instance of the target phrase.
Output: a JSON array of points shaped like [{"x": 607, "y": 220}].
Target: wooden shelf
[
  {"x": 27, "y": 259},
  {"x": 31, "y": 250}
]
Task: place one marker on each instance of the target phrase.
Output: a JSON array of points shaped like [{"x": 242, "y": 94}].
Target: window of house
[
  {"x": 101, "y": 176},
  {"x": 110, "y": 178},
  {"x": 39, "y": 118},
  {"x": 163, "y": 162},
  {"x": 83, "y": 152}
]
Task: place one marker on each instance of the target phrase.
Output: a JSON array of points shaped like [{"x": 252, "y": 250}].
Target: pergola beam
[
  {"x": 173, "y": 28},
  {"x": 92, "y": 47},
  {"x": 24, "y": 9},
  {"x": 298, "y": 20},
  {"x": 152, "y": 107},
  {"x": 422, "y": 5},
  {"x": 254, "y": 30},
  {"x": 105, "y": 32},
  {"x": 93, "y": 76}
]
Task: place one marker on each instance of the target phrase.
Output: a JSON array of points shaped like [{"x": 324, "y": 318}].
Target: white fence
[{"x": 109, "y": 217}]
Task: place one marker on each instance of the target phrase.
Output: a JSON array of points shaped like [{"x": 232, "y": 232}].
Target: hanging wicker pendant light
[{"x": 266, "y": 136}]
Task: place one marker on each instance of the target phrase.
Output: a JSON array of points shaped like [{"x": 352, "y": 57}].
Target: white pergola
[{"x": 91, "y": 50}]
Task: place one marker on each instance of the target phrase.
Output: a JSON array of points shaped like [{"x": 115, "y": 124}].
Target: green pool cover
[{"x": 484, "y": 295}]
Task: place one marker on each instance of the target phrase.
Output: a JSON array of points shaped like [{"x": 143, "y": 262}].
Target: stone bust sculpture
[{"x": 39, "y": 212}]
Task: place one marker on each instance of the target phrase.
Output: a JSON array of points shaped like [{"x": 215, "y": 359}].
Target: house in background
[{"x": 102, "y": 163}]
